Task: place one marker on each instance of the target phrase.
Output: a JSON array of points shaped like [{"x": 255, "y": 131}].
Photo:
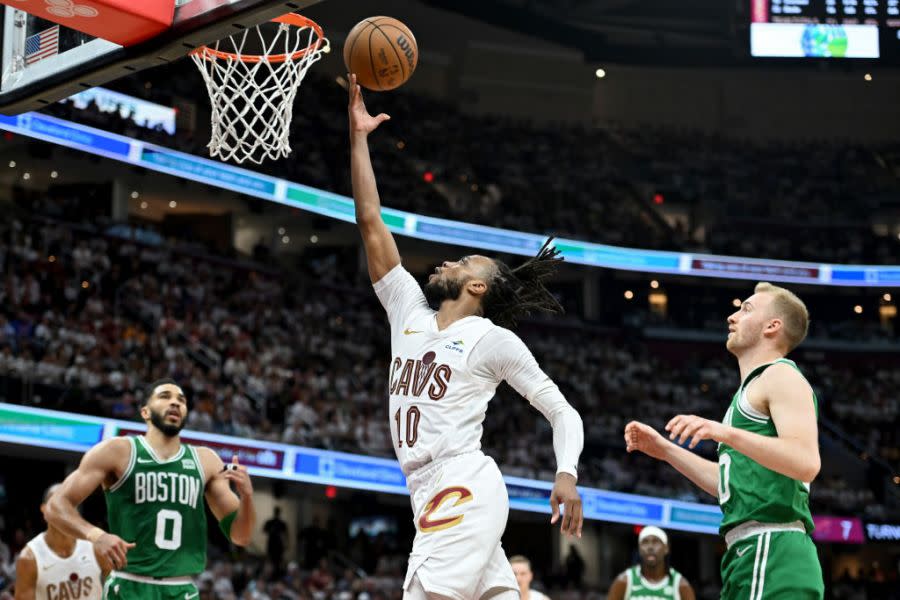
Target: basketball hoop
[{"x": 252, "y": 95}]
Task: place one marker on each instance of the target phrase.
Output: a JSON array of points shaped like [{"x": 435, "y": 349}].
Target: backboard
[{"x": 43, "y": 62}]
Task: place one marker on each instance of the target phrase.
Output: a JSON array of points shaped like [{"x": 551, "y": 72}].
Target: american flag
[{"x": 41, "y": 45}]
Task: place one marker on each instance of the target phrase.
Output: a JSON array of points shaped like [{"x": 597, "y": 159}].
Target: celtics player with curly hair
[
  {"x": 451, "y": 347},
  {"x": 768, "y": 454},
  {"x": 156, "y": 489}
]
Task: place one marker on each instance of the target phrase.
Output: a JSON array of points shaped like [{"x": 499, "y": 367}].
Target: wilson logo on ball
[{"x": 407, "y": 50}]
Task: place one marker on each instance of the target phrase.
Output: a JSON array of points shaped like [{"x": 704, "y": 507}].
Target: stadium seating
[
  {"x": 83, "y": 332},
  {"x": 725, "y": 196}
]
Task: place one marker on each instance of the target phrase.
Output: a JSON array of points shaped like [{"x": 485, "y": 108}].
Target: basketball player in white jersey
[
  {"x": 56, "y": 566},
  {"x": 450, "y": 351},
  {"x": 521, "y": 567}
]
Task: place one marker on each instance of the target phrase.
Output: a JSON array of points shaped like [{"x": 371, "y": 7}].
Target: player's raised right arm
[
  {"x": 703, "y": 473},
  {"x": 381, "y": 249}
]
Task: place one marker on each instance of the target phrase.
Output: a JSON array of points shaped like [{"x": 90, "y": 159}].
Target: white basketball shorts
[{"x": 460, "y": 508}]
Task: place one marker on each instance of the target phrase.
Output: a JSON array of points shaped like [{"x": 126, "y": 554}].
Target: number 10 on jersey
[{"x": 413, "y": 415}]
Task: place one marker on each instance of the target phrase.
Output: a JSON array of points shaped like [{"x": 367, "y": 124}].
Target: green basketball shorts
[
  {"x": 772, "y": 565},
  {"x": 124, "y": 586}
]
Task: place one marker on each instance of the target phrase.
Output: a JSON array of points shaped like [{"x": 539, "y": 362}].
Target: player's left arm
[
  {"x": 235, "y": 513},
  {"x": 509, "y": 359},
  {"x": 789, "y": 399},
  {"x": 26, "y": 575},
  {"x": 685, "y": 590}
]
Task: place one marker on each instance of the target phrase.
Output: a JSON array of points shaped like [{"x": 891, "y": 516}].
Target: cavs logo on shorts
[{"x": 457, "y": 495}]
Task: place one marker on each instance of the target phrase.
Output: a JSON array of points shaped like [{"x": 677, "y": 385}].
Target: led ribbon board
[
  {"x": 296, "y": 195},
  {"x": 78, "y": 433}
]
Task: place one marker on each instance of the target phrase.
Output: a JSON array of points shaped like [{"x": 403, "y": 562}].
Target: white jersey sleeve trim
[
  {"x": 128, "y": 469},
  {"x": 747, "y": 409},
  {"x": 195, "y": 452}
]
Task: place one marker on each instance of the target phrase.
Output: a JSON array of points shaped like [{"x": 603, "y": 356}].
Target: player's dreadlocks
[{"x": 516, "y": 293}]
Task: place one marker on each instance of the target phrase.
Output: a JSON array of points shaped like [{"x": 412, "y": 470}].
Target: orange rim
[{"x": 288, "y": 19}]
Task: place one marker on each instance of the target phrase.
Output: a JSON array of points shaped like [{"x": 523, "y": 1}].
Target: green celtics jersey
[
  {"x": 639, "y": 588},
  {"x": 159, "y": 505},
  {"x": 747, "y": 490}
]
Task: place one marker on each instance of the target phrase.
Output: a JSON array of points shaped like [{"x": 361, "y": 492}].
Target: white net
[{"x": 252, "y": 95}]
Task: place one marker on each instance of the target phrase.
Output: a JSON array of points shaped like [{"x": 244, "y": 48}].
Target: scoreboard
[
  {"x": 829, "y": 11},
  {"x": 825, "y": 28}
]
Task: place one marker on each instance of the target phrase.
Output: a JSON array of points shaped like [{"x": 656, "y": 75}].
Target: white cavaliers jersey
[
  {"x": 440, "y": 385},
  {"x": 77, "y": 577}
]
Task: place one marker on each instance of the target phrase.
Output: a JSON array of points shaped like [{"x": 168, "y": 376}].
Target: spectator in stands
[{"x": 276, "y": 535}]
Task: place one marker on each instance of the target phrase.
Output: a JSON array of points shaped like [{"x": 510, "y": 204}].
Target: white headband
[{"x": 654, "y": 531}]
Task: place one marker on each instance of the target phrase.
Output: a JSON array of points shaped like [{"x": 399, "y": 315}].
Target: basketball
[{"x": 382, "y": 52}]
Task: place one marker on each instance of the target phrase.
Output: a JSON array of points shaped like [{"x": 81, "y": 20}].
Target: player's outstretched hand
[
  {"x": 238, "y": 475},
  {"x": 565, "y": 493},
  {"x": 112, "y": 551},
  {"x": 644, "y": 438},
  {"x": 695, "y": 429},
  {"x": 361, "y": 122}
]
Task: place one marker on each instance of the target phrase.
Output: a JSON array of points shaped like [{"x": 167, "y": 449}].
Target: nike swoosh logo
[
  {"x": 189, "y": 596},
  {"x": 409, "y": 331},
  {"x": 742, "y": 551}
]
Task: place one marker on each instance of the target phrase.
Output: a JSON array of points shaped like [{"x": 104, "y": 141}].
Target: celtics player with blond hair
[
  {"x": 156, "y": 491},
  {"x": 768, "y": 454}
]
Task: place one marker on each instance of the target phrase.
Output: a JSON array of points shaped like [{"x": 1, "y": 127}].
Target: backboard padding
[{"x": 196, "y": 23}]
